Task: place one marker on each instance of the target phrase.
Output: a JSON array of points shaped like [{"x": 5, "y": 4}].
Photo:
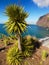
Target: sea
[{"x": 32, "y": 30}]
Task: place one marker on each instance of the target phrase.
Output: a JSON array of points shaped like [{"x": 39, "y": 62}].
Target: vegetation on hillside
[
  {"x": 29, "y": 45},
  {"x": 23, "y": 46},
  {"x": 16, "y": 23}
]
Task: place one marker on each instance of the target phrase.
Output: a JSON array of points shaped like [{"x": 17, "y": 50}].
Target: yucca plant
[
  {"x": 6, "y": 41},
  {"x": 14, "y": 56},
  {"x": 16, "y": 23},
  {"x": 44, "y": 55},
  {"x": 29, "y": 45}
]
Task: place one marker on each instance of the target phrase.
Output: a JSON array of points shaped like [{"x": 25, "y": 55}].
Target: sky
[{"x": 35, "y": 9}]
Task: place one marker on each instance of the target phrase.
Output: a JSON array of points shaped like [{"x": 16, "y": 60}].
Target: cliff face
[{"x": 43, "y": 21}]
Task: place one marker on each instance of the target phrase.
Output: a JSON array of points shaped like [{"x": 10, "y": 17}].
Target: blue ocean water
[{"x": 32, "y": 30}]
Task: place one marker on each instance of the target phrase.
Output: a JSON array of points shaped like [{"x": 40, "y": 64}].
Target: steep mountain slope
[{"x": 44, "y": 21}]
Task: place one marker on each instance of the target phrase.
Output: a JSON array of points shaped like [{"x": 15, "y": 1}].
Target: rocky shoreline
[{"x": 45, "y": 41}]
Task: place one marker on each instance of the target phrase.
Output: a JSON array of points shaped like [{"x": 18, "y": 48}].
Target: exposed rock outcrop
[{"x": 44, "y": 21}]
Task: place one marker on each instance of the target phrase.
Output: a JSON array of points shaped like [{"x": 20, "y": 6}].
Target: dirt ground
[{"x": 34, "y": 60}]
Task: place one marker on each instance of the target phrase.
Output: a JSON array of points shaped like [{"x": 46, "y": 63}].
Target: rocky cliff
[{"x": 44, "y": 21}]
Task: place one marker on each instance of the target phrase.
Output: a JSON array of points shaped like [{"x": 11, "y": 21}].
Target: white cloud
[{"x": 42, "y": 3}]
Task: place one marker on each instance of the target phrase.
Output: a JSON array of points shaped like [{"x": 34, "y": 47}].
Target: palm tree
[{"x": 16, "y": 21}]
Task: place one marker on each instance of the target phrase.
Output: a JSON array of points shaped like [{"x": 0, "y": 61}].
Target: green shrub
[
  {"x": 29, "y": 45},
  {"x": 44, "y": 54},
  {"x": 14, "y": 56},
  {"x": 9, "y": 39},
  {"x": 6, "y": 41}
]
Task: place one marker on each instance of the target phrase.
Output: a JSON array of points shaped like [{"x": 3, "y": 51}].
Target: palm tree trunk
[{"x": 19, "y": 42}]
